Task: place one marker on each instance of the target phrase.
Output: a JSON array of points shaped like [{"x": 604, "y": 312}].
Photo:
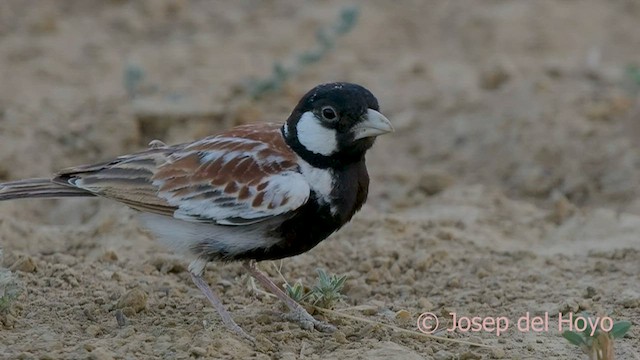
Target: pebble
[
  {"x": 120, "y": 318},
  {"x": 127, "y": 332},
  {"x": 135, "y": 299},
  {"x": 630, "y": 299},
  {"x": 425, "y": 304},
  {"x": 368, "y": 309},
  {"x": 93, "y": 330},
  {"x": 198, "y": 351},
  {"x": 497, "y": 353},
  {"x": 493, "y": 77},
  {"x": 24, "y": 264},
  {"x": 109, "y": 256},
  {"x": 432, "y": 182},
  {"x": 403, "y": 316},
  {"x": 569, "y": 306}
]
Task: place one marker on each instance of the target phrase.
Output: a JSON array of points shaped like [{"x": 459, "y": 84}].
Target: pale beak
[{"x": 373, "y": 124}]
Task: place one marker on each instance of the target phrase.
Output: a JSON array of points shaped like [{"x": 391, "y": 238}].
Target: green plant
[
  {"x": 327, "y": 291},
  {"x": 326, "y": 40},
  {"x": 297, "y": 292},
  {"x": 9, "y": 289},
  {"x": 325, "y": 294},
  {"x": 596, "y": 343},
  {"x": 633, "y": 71}
]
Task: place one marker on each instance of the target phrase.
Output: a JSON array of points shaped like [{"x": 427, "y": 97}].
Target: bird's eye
[{"x": 328, "y": 113}]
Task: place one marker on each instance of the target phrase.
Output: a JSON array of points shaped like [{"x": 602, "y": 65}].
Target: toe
[{"x": 324, "y": 327}]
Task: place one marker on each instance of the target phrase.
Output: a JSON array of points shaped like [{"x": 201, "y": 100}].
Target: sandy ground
[{"x": 510, "y": 186}]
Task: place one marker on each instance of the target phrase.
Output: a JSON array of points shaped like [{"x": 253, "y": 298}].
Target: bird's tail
[{"x": 38, "y": 188}]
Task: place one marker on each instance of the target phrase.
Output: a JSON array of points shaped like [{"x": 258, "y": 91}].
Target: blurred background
[{"x": 510, "y": 185}]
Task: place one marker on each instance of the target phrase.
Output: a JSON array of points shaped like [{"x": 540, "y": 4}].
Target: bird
[{"x": 256, "y": 192}]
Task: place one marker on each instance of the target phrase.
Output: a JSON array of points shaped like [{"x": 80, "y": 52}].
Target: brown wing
[{"x": 238, "y": 177}]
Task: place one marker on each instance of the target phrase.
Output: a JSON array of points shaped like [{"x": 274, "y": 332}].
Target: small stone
[
  {"x": 482, "y": 273},
  {"x": 403, "y": 316},
  {"x": 425, "y": 304},
  {"x": 569, "y": 306},
  {"x": 120, "y": 318},
  {"x": 24, "y": 264},
  {"x": 8, "y": 321},
  {"x": 563, "y": 209},
  {"x": 340, "y": 337},
  {"x": 630, "y": 299},
  {"x": 432, "y": 182},
  {"x": 373, "y": 276},
  {"x": 494, "y": 77},
  {"x": 93, "y": 330},
  {"x": 136, "y": 299},
  {"x": 128, "y": 311},
  {"x": 90, "y": 312},
  {"x": 148, "y": 269},
  {"x": 585, "y": 304},
  {"x": 109, "y": 256},
  {"x": 454, "y": 283},
  {"x": 395, "y": 270},
  {"x": 497, "y": 353},
  {"x": 127, "y": 332},
  {"x": 198, "y": 351}
]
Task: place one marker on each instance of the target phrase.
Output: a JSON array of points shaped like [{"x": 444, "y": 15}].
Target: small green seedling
[
  {"x": 9, "y": 289},
  {"x": 325, "y": 42},
  {"x": 325, "y": 294},
  {"x": 633, "y": 72},
  {"x": 297, "y": 292},
  {"x": 598, "y": 344}
]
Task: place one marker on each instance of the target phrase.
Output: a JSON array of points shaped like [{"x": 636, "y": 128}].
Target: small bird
[{"x": 254, "y": 192}]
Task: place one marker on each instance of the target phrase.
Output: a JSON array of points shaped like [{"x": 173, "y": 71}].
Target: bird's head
[{"x": 335, "y": 124}]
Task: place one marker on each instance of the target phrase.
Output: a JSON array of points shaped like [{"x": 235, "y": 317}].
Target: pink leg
[
  {"x": 298, "y": 313},
  {"x": 215, "y": 301}
]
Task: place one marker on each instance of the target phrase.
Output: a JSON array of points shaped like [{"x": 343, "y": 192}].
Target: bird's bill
[{"x": 373, "y": 124}]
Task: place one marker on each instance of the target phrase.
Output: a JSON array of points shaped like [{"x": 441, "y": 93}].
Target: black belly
[
  {"x": 307, "y": 228},
  {"x": 314, "y": 222}
]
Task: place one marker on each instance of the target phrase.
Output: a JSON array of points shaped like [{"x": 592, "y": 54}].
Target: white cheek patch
[{"x": 315, "y": 137}]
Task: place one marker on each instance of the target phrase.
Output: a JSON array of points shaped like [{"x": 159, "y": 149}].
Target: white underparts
[
  {"x": 183, "y": 236},
  {"x": 315, "y": 137}
]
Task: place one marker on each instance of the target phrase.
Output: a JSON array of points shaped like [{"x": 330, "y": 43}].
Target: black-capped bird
[{"x": 254, "y": 192}]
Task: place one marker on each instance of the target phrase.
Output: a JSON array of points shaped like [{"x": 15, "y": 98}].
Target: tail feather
[{"x": 38, "y": 188}]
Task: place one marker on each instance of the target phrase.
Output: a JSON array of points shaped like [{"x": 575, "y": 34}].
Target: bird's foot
[
  {"x": 308, "y": 322},
  {"x": 238, "y": 331},
  {"x": 298, "y": 313}
]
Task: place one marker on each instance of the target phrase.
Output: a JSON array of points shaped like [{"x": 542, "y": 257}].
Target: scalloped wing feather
[{"x": 240, "y": 177}]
